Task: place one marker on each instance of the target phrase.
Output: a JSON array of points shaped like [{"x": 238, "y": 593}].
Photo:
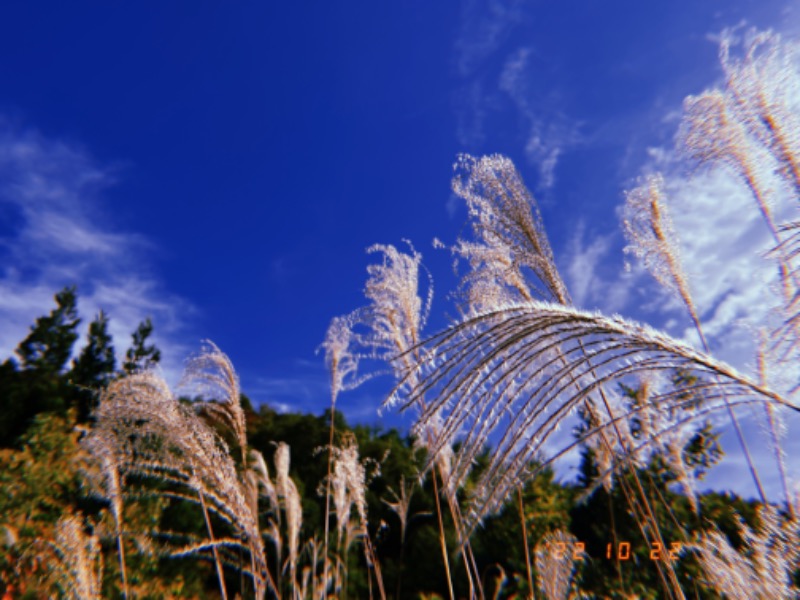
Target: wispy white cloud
[
  {"x": 305, "y": 388},
  {"x": 722, "y": 243},
  {"x": 549, "y": 131},
  {"x": 499, "y": 88},
  {"x": 589, "y": 287},
  {"x": 58, "y": 231},
  {"x": 472, "y": 106},
  {"x": 484, "y": 26}
]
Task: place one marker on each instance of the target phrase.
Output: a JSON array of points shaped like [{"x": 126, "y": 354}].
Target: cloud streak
[
  {"x": 484, "y": 26},
  {"x": 496, "y": 78},
  {"x": 723, "y": 243},
  {"x": 58, "y": 231},
  {"x": 549, "y": 131}
]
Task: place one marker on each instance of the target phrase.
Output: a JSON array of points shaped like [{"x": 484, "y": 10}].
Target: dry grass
[{"x": 520, "y": 363}]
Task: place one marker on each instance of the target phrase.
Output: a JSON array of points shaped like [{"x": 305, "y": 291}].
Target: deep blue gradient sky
[{"x": 223, "y": 166}]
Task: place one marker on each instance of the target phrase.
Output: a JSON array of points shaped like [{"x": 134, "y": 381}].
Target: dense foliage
[{"x": 46, "y": 473}]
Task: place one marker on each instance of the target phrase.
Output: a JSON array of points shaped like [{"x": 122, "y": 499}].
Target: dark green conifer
[
  {"x": 49, "y": 344},
  {"x": 95, "y": 365},
  {"x": 140, "y": 355},
  {"x": 37, "y": 383}
]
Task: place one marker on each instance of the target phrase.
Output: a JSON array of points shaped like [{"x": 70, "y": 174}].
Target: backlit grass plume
[
  {"x": 509, "y": 242},
  {"x": 349, "y": 483},
  {"x": 555, "y": 564},
  {"x": 73, "y": 560},
  {"x": 212, "y": 374},
  {"x": 751, "y": 126},
  {"x": 652, "y": 238},
  {"x": 157, "y": 438},
  {"x": 397, "y": 313},
  {"x": 763, "y": 568},
  {"x": 511, "y": 378},
  {"x": 292, "y": 505},
  {"x": 649, "y": 230}
]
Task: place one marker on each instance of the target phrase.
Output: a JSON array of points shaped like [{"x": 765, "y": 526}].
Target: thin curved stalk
[
  {"x": 514, "y": 372},
  {"x": 220, "y": 574},
  {"x": 442, "y": 542}
]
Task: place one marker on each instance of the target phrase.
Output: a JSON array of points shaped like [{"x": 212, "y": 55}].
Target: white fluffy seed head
[
  {"x": 651, "y": 236},
  {"x": 349, "y": 483},
  {"x": 509, "y": 242},
  {"x": 555, "y": 564},
  {"x": 74, "y": 560},
  {"x": 766, "y": 567},
  {"x": 282, "y": 464},
  {"x": 211, "y": 373},
  {"x": 397, "y": 312},
  {"x": 157, "y": 437}
]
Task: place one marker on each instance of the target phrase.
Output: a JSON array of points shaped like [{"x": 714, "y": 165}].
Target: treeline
[
  {"x": 42, "y": 379},
  {"x": 47, "y": 408}
]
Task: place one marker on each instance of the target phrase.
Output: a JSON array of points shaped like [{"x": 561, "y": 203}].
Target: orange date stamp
[{"x": 620, "y": 551}]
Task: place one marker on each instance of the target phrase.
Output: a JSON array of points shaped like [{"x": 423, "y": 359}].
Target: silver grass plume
[
  {"x": 342, "y": 359},
  {"x": 751, "y": 123},
  {"x": 104, "y": 479},
  {"x": 396, "y": 314},
  {"x": 765, "y": 570},
  {"x": 349, "y": 483},
  {"x": 291, "y": 502},
  {"x": 257, "y": 483},
  {"x": 260, "y": 476},
  {"x": 341, "y": 347},
  {"x": 504, "y": 382},
  {"x": 76, "y": 563},
  {"x": 509, "y": 238},
  {"x": 555, "y": 564},
  {"x": 752, "y": 126},
  {"x": 764, "y": 86},
  {"x": 159, "y": 439},
  {"x": 652, "y": 238},
  {"x": 396, "y": 317},
  {"x": 212, "y": 374}
]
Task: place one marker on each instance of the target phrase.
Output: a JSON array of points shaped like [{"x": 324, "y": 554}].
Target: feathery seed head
[
  {"x": 555, "y": 564},
  {"x": 397, "y": 311},
  {"x": 509, "y": 238},
  {"x": 76, "y": 563},
  {"x": 349, "y": 482},
  {"x": 282, "y": 463},
  {"x": 294, "y": 520},
  {"x": 212, "y": 374},
  {"x": 767, "y": 570},
  {"x": 155, "y": 437},
  {"x": 651, "y": 236},
  {"x": 340, "y": 358}
]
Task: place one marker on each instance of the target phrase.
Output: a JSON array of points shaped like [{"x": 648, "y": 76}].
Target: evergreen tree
[
  {"x": 140, "y": 355},
  {"x": 49, "y": 344},
  {"x": 39, "y": 385},
  {"x": 620, "y": 561},
  {"x": 94, "y": 366}
]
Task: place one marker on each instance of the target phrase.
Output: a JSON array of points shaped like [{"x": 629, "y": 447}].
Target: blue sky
[{"x": 222, "y": 167}]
